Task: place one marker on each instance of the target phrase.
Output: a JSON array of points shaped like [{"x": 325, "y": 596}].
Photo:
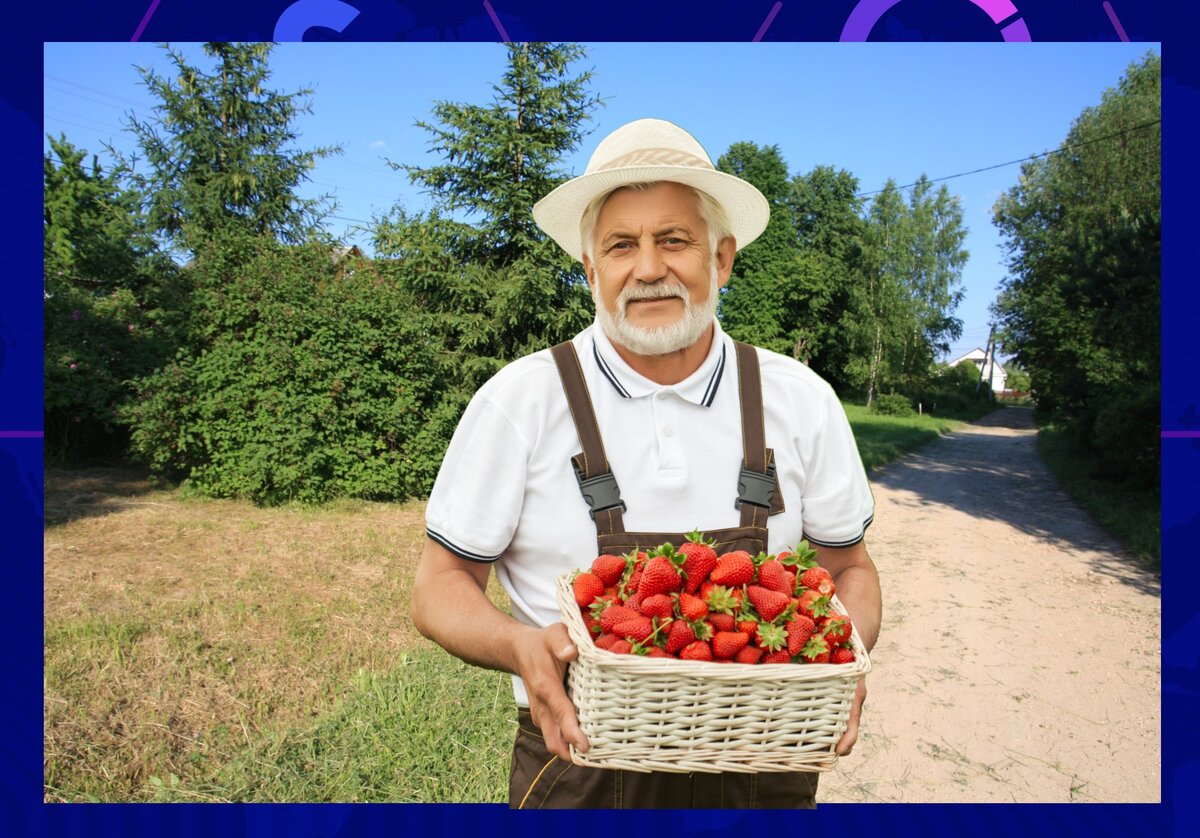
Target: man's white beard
[{"x": 660, "y": 340}]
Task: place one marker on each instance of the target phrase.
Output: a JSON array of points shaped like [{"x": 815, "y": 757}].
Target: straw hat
[{"x": 649, "y": 150}]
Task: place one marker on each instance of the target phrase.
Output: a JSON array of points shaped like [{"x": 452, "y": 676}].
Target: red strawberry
[
  {"x": 747, "y": 625},
  {"x": 842, "y": 654},
  {"x": 816, "y": 650},
  {"x": 726, "y": 644},
  {"x": 659, "y": 605},
  {"x": 621, "y": 647},
  {"x": 722, "y": 622},
  {"x": 655, "y": 652},
  {"x": 776, "y": 657},
  {"x": 606, "y": 640},
  {"x": 680, "y": 635},
  {"x": 733, "y": 569},
  {"x": 696, "y": 651},
  {"x": 609, "y": 568},
  {"x": 692, "y": 607},
  {"x": 799, "y": 629},
  {"x": 701, "y": 559},
  {"x": 812, "y": 604},
  {"x": 836, "y": 629},
  {"x": 586, "y": 587},
  {"x": 721, "y": 600},
  {"x": 614, "y": 614},
  {"x": 750, "y": 654},
  {"x": 659, "y": 577},
  {"x": 593, "y": 625},
  {"x": 818, "y": 579},
  {"x": 636, "y": 629},
  {"x": 769, "y": 604},
  {"x": 773, "y": 576}
]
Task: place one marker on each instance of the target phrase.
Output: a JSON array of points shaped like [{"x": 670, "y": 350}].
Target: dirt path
[{"x": 1019, "y": 658}]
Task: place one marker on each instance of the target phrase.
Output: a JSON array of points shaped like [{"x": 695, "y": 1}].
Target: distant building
[{"x": 992, "y": 372}]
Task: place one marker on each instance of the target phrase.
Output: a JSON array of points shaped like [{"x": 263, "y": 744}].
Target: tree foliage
[
  {"x": 219, "y": 151},
  {"x": 1080, "y": 305}
]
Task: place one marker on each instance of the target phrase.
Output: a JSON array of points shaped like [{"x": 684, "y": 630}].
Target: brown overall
[{"x": 539, "y": 779}]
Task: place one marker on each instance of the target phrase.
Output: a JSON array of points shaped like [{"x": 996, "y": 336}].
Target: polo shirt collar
[{"x": 700, "y": 387}]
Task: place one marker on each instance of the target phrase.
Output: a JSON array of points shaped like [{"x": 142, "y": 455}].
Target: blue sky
[{"x": 877, "y": 110}]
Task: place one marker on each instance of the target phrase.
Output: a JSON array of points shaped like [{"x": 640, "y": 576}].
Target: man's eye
[
  {"x": 621, "y": 246},
  {"x": 673, "y": 241}
]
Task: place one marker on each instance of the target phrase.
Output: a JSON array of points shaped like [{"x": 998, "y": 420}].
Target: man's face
[{"x": 654, "y": 276}]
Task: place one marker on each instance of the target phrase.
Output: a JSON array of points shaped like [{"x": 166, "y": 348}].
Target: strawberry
[
  {"x": 593, "y": 625},
  {"x": 726, "y": 644},
  {"x": 659, "y": 605},
  {"x": 750, "y": 654},
  {"x": 799, "y": 629},
  {"x": 776, "y": 657},
  {"x": 769, "y": 604},
  {"x": 773, "y": 576},
  {"x": 655, "y": 652},
  {"x": 659, "y": 577},
  {"x": 816, "y": 650},
  {"x": 680, "y": 635},
  {"x": 621, "y": 647},
  {"x": 696, "y": 651},
  {"x": 614, "y": 614},
  {"x": 637, "y": 629},
  {"x": 818, "y": 579},
  {"x": 701, "y": 558},
  {"x": 733, "y": 569},
  {"x": 721, "y": 621},
  {"x": 609, "y": 568},
  {"x": 812, "y": 604},
  {"x": 606, "y": 640},
  {"x": 771, "y": 638},
  {"x": 586, "y": 587},
  {"x": 721, "y": 600},
  {"x": 842, "y": 654},
  {"x": 837, "y": 629},
  {"x": 692, "y": 607},
  {"x": 746, "y": 624}
]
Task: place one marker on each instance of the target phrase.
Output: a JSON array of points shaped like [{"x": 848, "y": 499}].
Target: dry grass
[{"x": 177, "y": 628}]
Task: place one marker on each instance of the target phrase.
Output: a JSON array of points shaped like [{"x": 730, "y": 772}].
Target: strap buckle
[
  {"x": 756, "y": 488},
  {"x": 601, "y": 492}
]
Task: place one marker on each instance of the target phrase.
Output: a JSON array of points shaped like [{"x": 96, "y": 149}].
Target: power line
[{"x": 1022, "y": 160}]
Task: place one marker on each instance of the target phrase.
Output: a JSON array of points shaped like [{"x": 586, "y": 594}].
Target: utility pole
[{"x": 987, "y": 360}]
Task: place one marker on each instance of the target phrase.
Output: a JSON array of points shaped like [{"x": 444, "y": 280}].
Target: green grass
[
  {"x": 882, "y": 439},
  {"x": 1131, "y": 514},
  {"x": 433, "y": 730}
]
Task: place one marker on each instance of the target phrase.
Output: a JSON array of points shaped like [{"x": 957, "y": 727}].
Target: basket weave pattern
[{"x": 655, "y": 714}]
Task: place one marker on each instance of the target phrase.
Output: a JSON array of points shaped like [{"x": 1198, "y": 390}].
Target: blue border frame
[{"x": 1173, "y": 24}]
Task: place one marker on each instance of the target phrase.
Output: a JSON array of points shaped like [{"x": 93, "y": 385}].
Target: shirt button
[
  {"x": 662, "y": 394},
  {"x": 668, "y": 431}
]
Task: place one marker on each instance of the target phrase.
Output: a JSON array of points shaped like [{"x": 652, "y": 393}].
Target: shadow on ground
[
  {"x": 991, "y": 470},
  {"x": 71, "y": 494}
]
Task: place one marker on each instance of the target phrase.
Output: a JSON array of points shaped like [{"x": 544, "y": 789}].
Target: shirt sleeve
[
  {"x": 838, "y": 505},
  {"x": 477, "y": 497}
]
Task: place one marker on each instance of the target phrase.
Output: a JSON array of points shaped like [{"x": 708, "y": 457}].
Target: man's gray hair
[{"x": 713, "y": 213}]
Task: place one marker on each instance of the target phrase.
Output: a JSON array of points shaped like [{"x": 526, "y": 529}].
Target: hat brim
[{"x": 559, "y": 213}]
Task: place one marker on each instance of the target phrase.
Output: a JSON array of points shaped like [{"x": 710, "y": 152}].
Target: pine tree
[{"x": 220, "y": 151}]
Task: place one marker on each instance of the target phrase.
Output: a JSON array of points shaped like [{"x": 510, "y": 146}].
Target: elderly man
[{"x": 659, "y": 417}]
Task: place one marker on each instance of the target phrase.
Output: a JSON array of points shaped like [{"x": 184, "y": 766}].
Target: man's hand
[
  {"x": 846, "y": 744},
  {"x": 542, "y": 659}
]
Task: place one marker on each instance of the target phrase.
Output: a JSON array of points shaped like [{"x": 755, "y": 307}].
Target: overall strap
[
  {"x": 758, "y": 493},
  {"x": 596, "y": 480}
]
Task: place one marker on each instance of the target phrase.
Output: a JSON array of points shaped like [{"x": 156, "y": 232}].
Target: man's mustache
[{"x": 652, "y": 291}]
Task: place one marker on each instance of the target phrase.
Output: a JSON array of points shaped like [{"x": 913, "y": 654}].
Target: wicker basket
[{"x": 657, "y": 714}]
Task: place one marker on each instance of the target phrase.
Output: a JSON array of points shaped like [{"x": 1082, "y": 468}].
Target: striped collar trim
[{"x": 700, "y": 387}]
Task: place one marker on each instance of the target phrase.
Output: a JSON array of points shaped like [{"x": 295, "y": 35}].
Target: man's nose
[{"x": 650, "y": 266}]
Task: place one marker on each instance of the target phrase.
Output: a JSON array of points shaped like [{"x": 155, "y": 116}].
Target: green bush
[
  {"x": 892, "y": 404},
  {"x": 309, "y": 380}
]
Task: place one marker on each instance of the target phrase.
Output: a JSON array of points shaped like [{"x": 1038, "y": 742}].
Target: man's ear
[
  {"x": 589, "y": 271},
  {"x": 726, "y": 249}
]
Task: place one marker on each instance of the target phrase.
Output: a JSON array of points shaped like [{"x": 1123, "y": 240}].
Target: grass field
[{"x": 205, "y": 650}]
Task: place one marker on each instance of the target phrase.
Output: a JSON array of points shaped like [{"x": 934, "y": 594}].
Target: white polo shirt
[{"x": 507, "y": 493}]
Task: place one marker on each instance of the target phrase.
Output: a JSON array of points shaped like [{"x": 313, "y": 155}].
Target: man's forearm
[{"x": 858, "y": 589}]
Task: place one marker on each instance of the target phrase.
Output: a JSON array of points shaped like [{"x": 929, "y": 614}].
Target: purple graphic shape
[
  {"x": 762, "y": 30},
  {"x": 304, "y": 15},
  {"x": 137, "y": 33},
  {"x": 1112, "y": 16},
  {"x": 496, "y": 20},
  {"x": 868, "y": 12},
  {"x": 1179, "y": 434},
  {"x": 21, "y": 434}
]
